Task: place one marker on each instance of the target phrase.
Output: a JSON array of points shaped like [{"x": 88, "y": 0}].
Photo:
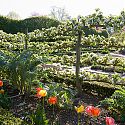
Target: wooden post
[
  {"x": 78, "y": 52},
  {"x": 26, "y": 39}
]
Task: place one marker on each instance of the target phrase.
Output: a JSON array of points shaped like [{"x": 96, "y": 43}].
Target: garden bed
[{"x": 22, "y": 107}]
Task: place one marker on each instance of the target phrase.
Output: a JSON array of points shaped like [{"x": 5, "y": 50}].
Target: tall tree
[{"x": 59, "y": 14}]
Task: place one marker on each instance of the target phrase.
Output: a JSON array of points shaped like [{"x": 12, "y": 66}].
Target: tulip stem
[
  {"x": 53, "y": 110},
  {"x": 43, "y": 102},
  {"x": 78, "y": 118},
  {"x": 95, "y": 119},
  {"x": 53, "y": 113},
  {"x": 88, "y": 118}
]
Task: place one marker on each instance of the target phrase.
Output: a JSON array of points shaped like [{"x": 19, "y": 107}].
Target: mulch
[{"x": 23, "y": 106}]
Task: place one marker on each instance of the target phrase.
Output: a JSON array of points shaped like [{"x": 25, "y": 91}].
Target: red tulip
[
  {"x": 38, "y": 89},
  {"x": 92, "y": 111},
  {"x": 110, "y": 121},
  {"x": 96, "y": 112},
  {"x": 1, "y": 83},
  {"x": 89, "y": 110},
  {"x": 52, "y": 100}
]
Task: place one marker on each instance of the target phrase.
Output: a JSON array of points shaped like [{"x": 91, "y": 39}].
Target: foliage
[
  {"x": 64, "y": 41},
  {"x": 9, "y": 25},
  {"x": 5, "y": 102},
  {"x": 4, "y": 57},
  {"x": 20, "y": 69},
  {"x": 35, "y": 23},
  {"x": 116, "y": 103},
  {"x": 64, "y": 94},
  {"x": 100, "y": 84},
  {"x": 13, "y": 26},
  {"x": 6, "y": 118},
  {"x": 39, "y": 116}
]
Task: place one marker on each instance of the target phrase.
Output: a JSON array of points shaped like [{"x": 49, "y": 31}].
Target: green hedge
[
  {"x": 38, "y": 23},
  {"x": 14, "y": 26},
  {"x": 9, "y": 25}
]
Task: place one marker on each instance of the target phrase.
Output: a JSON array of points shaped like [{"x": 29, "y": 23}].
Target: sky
[{"x": 73, "y": 7}]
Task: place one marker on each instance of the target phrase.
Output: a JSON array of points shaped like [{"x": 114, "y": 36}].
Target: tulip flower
[
  {"x": 89, "y": 109},
  {"x": 1, "y": 83},
  {"x": 79, "y": 109},
  {"x": 52, "y": 100},
  {"x": 41, "y": 93},
  {"x": 110, "y": 121},
  {"x": 92, "y": 111},
  {"x": 96, "y": 112},
  {"x": 38, "y": 89}
]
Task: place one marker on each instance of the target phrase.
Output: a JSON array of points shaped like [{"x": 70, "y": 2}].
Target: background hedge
[{"x": 14, "y": 26}]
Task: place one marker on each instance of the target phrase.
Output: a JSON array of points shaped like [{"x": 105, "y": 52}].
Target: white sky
[{"x": 74, "y": 7}]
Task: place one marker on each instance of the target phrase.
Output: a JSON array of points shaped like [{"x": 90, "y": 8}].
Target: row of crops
[
  {"x": 101, "y": 84},
  {"x": 62, "y": 44}
]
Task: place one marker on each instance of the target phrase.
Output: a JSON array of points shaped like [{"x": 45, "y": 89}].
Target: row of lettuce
[{"x": 58, "y": 42}]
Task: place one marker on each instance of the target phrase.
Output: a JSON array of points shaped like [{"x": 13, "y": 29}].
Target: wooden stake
[{"x": 78, "y": 52}]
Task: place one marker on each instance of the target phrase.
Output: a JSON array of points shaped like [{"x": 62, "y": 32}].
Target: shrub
[
  {"x": 9, "y": 25},
  {"x": 20, "y": 69},
  {"x": 116, "y": 103},
  {"x": 33, "y": 23}
]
